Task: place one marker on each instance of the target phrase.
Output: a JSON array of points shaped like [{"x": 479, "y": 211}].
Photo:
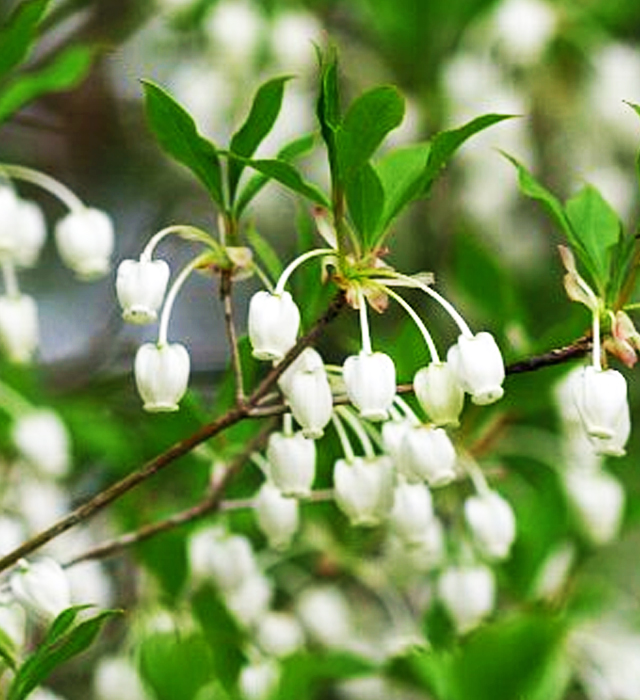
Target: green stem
[
  {"x": 280, "y": 285},
  {"x": 344, "y": 440},
  {"x": 57, "y": 189},
  {"x": 189, "y": 232},
  {"x": 428, "y": 339}
]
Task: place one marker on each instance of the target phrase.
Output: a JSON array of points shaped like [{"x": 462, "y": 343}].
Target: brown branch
[
  {"x": 179, "y": 449},
  {"x": 226, "y": 283},
  {"x": 579, "y": 348}
]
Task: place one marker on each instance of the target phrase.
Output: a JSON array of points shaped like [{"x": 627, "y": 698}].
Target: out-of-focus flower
[
  {"x": 478, "y": 364},
  {"x": 291, "y": 463},
  {"x": 42, "y": 439},
  {"x": 364, "y": 489},
  {"x": 524, "y": 28},
  {"x": 116, "y": 678},
  {"x": 234, "y": 28},
  {"x": 468, "y": 594},
  {"x": 259, "y": 679},
  {"x": 279, "y": 634},
  {"x": 19, "y": 328},
  {"x": 326, "y": 616},
  {"x": 41, "y": 587},
  {"x": 370, "y": 381},
  {"x": 277, "y": 516},
  {"x": 141, "y": 286},
  {"x": 162, "y": 375},
  {"x": 492, "y": 523},
  {"x": 427, "y": 454},
  {"x": 85, "y": 241},
  {"x": 251, "y": 599},
  {"x": 412, "y": 511}
]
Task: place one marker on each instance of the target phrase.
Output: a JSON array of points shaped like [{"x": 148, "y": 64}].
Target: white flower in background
[
  {"x": 524, "y": 28},
  {"x": 492, "y": 524},
  {"x": 478, "y": 364},
  {"x": 273, "y": 325},
  {"x": 12, "y": 533},
  {"x": 364, "y": 489},
  {"x": 439, "y": 393},
  {"x": 392, "y": 433},
  {"x": 41, "y": 587},
  {"x": 277, "y": 516},
  {"x": 43, "y": 441},
  {"x": 40, "y": 501},
  {"x": 13, "y": 621},
  {"x": 259, "y": 679},
  {"x": 306, "y": 388},
  {"x": 19, "y": 328},
  {"x": 89, "y": 582},
  {"x": 116, "y": 678},
  {"x": 250, "y": 601},
  {"x": 30, "y": 232},
  {"x": 293, "y": 35},
  {"x": 596, "y": 500},
  {"x": 601, "y": 400},
  {"x": 141, "y": 286},
  {"x": 468, "y": 595},
  {"x": 85, "y": 241},
  {"x": 8, "y": 217},
  {"x": 326, "y": 616},
  {"x": 370, "y": 381},
  {"x": 407, "y": 561},
  {"x": 412, "y": 511},
  {"x": 279, "y": 634},
  {"x": 554, "y": 572},
  {"x": 427, "y": 454},
  {"x": 234, "y": 28},
  {"x": 291, "y": 463},
  {"x": 162, "y": 375},
  {"x": 42, "y": 693},
  {"x": 227, "y": 559}
]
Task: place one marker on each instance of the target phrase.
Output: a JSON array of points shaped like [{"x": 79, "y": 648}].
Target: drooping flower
[
  {"x": 279, "y": 634},
  {"x": 412, "y": 511},
  {"x": 601, "y": 400},
  {"x": 41, "y": 587},
  {"x": 30, "y": 233},
  {"x": 141, "y": 286},
  {"x": 478, "y": 364},
  {"x": 364, "y": 489},
  {"x": 370, "y": 381},
  {"x": 492, "y": 524},
  {"x": 19, "y": 328},
  {"x": 162, "y": 375},
  {"x": 42, "y": 439},
  {"x": 468, "y": 594},
  {"x": 427, "y": 454},
  {"x": 291, "y": 463},
  {"x": 85, "y": 241},
  {"x": 439, "y": 393},
  {"x": 273, "y": 325},
  {"x": 277, "y": 516}
]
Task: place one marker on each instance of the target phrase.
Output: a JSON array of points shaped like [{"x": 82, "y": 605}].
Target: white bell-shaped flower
[
  {"x": 279, "y": 634},
  {"x": 392, "y": 433},
  {"x": 364, "y": 489},
  {"x": 19, "y": 327},
  {"x": 8, "y": 218},
  {"x": 250, "y": 600},
  {"x": 274, "y": 321},
  {"x": 30, "y": 233},
  {"x": 141, "y": 286},
  {"x": 596, "y": 499},
  {"x": 215, "y": 554},
  {"x": 427, "y": 454},
  {"x": 41, "y": 587},
  {"x": 492, "y": 524},
  {"x": 85, "y": 239},
  {"x": 162, "y": 375},
  {"x": 326, "y": 616},
  {"x": 277, "y": 516},
  {"x": 439, "y": 393},
  {"x": 291, "y": 463},
  {"x": 259, "y": 680},
  {"x": 468, "y": 594},
  {"x": 306, "y": 388},
  {"x": 601, "y": 399},
  {"x": 412, "y": 511},
  {"x": 478, "y": 364},
  {"x": 42, "y": 439},
  {"x": 370, "y": 381}
]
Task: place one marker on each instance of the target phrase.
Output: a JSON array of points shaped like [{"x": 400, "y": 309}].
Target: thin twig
[
  {"x": 226, "y": 283},
  {"x": 579, "y": 348}
]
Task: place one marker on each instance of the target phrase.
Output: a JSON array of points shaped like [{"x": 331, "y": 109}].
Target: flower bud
[
  {"x": 279, "y": 634},
  {"x": 364, "y": 489},
  {"x": 308, "y": 393},
  {"x": 273, "y": 325},
  {"x": 85, "y": 240},
  {"x": 42, "y": 439},
  {"x": 439, "y": 393},
  {"x": 370, "y": 381},
  {"x": 492, "y": 524},
  {"x": 41, "y": 587},
  {"x": 478, "y": 364},
  {"x": 292, "y": 463},
  {"x": 412, "y": 511},
  {"x": 19, "y": 331},
  {"x": 601, "y": 399},
  {"x": 277, "y": 516},
  {"x": 427, "y": 454},
  {"x": 162, "y": 375},
  {"x": 141, "y": 286},
  {"x": 227, "y": 559},
  {"x": 468, "y": 595}
]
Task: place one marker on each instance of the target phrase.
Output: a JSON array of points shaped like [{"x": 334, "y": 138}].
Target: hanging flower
[
  {"x": 492, "y": 524},
  {"x": 30, "y": 233},
  {"x": 427, "y": 454},
  {"x": 42, "y": 439},
  {"x": 141, "y": 286},
  {"x": 478, "y": 364},
  {"x": 277, "y": 516},
  {"x": 412, "y": 511},
  {"x": 41, "y": 587},
  {"x": 19, "y": 332},
  {"x": 468, "y": 595},
  {"x": 601, "y": 399},
  {"x": 370, "y": 381},
  {"x": 162, "y": 375},
  {"x": 291, "y": 463},
  {"x": 364, "y": 489},
  {"x": 439, "y": 393},
  {"x": 273, "y": 325},
  {"x": 85, "y": 240}
]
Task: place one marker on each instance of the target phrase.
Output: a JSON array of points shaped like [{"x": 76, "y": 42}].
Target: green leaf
[
  {"x": 636, "y": 109},
  {"x": 8, "y": 651},
  {"x": 598, "y": 229},
  {"x": 369, "y": 119},
  {"x": 365, "y": 199},
  {"x": 262, "y": 116},
  {"x": 287, "y": 175},
  {"x": 401, "y": 172},
  {"x": 48, "y": 656},
  {"x": 62, "y": 623},
  {"x": 328, "y": 107},
  {"x": 18, "y": 33},
  {"x": 445, "y": 143},
  {"x": 177, "y": 134},
  {"x": 176, "y": 667},
  {"x": 292, "y": 150},
  {"x": 66, "y": 70},
  {"x": 265, "y": 252}
]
